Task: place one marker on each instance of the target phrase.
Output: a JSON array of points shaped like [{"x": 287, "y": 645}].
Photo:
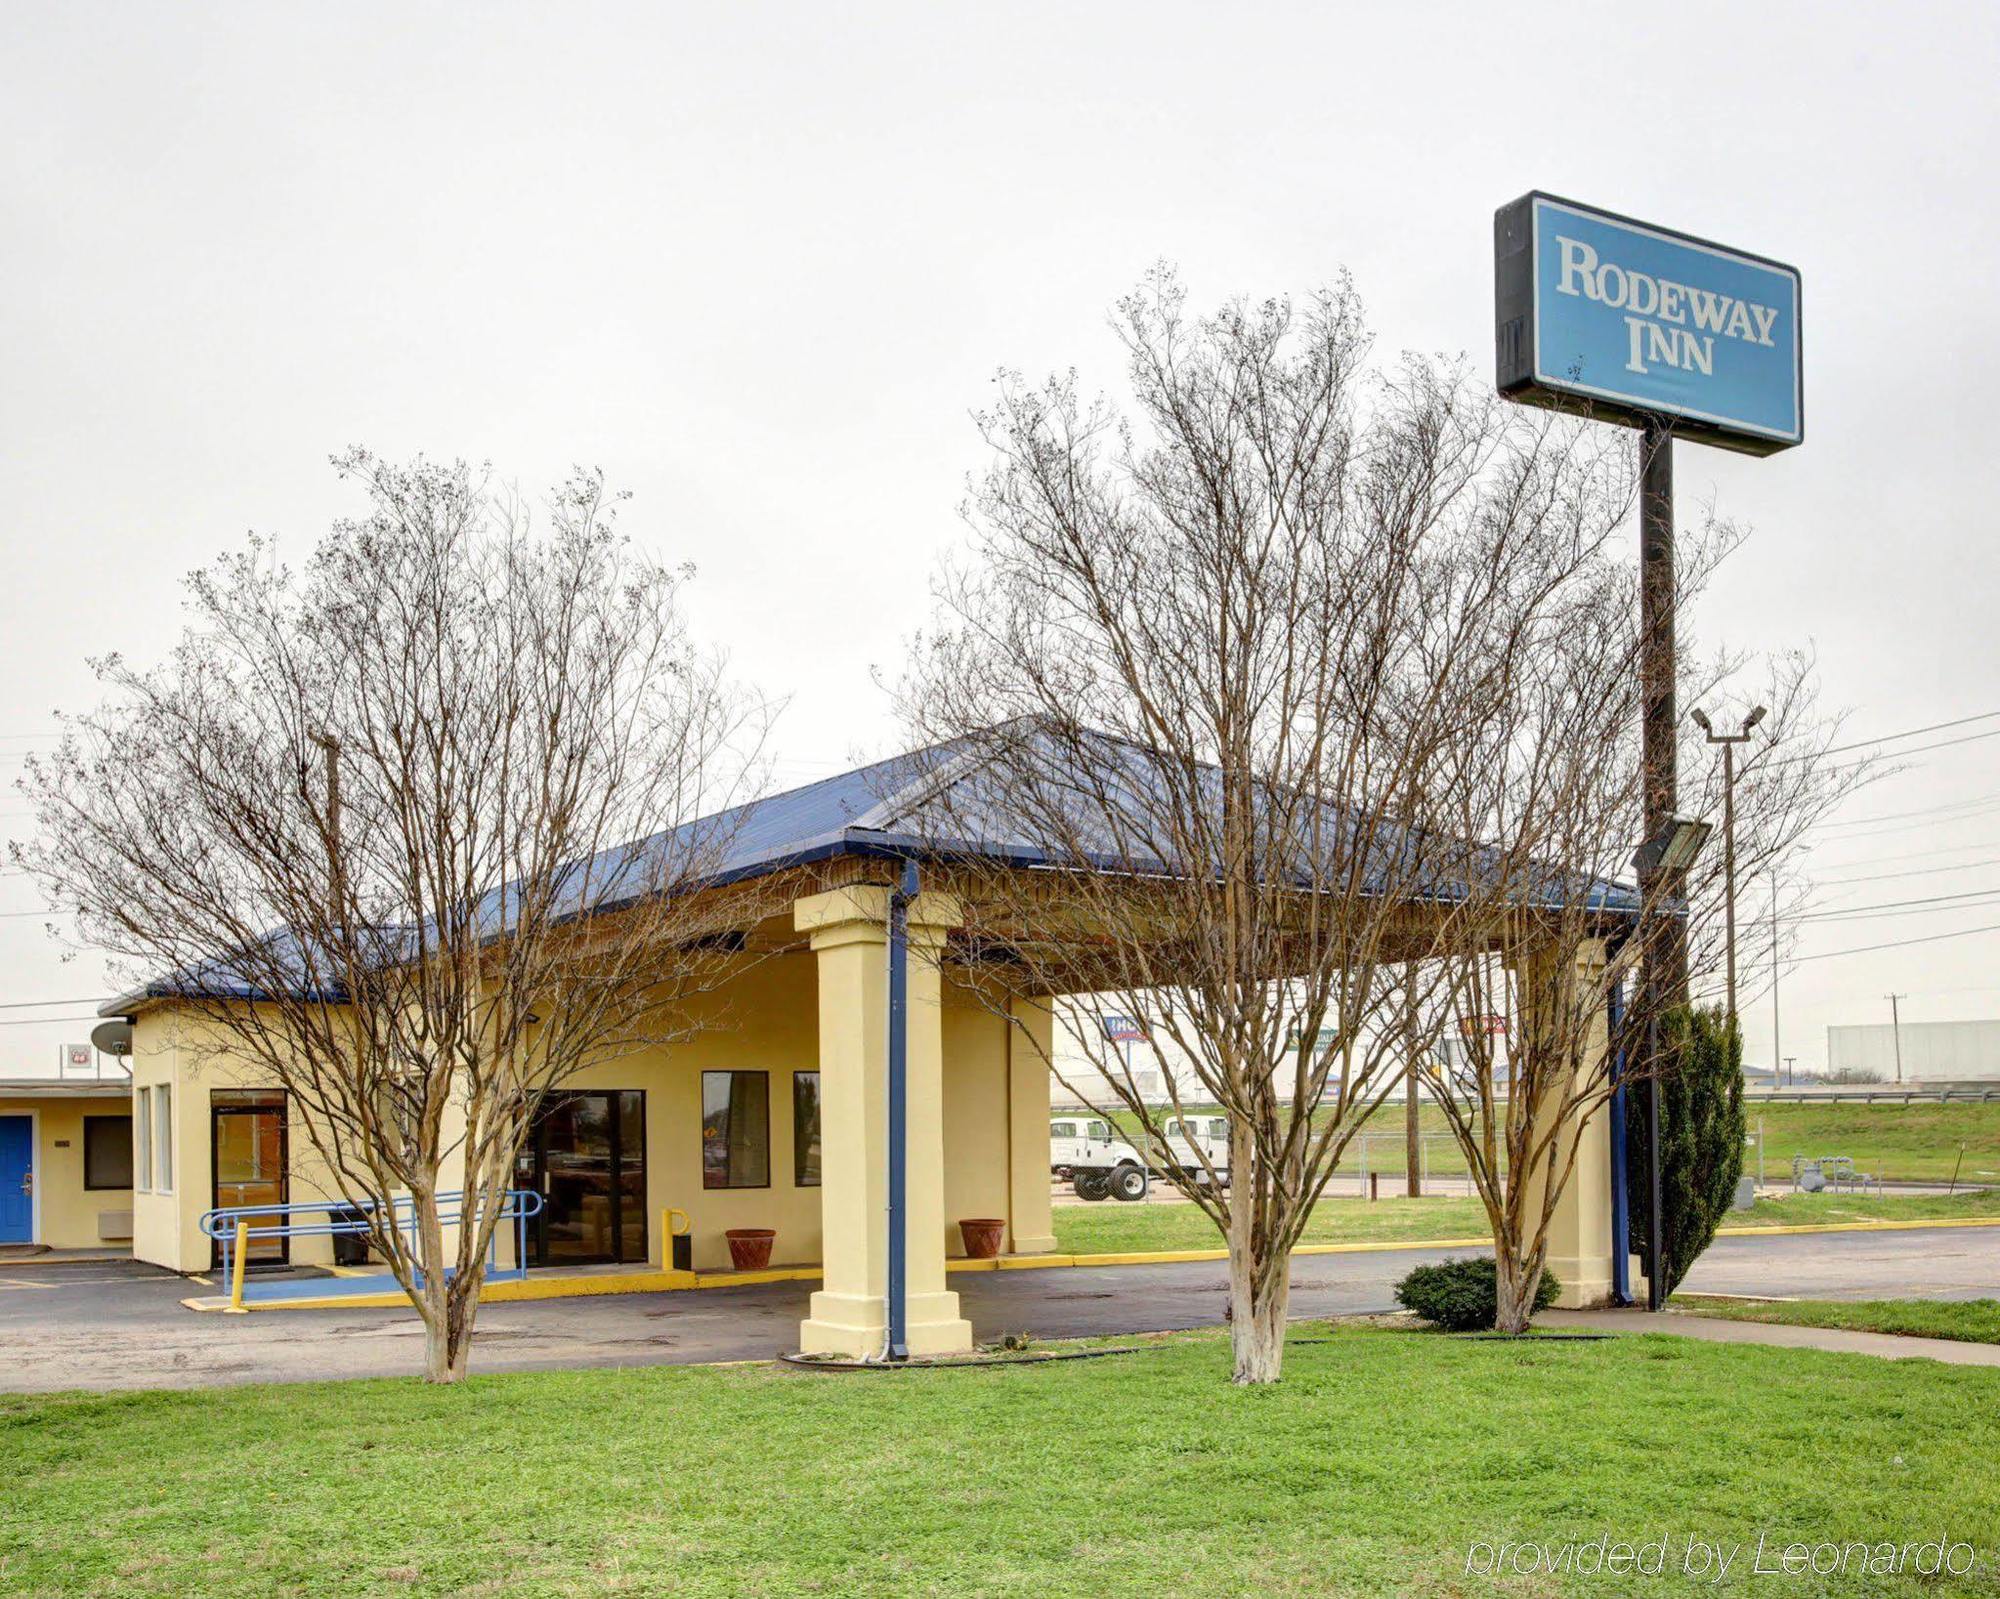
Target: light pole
[{"x": 1729, "y": 741}]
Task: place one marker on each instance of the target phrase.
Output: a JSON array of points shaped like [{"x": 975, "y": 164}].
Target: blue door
[{"x": 17, "y": 1180}]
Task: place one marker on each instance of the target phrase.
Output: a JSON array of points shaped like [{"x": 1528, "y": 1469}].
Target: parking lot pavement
[
  {"x": 1921, "y": 1263},
  {"x": 123, "y": 1326}
]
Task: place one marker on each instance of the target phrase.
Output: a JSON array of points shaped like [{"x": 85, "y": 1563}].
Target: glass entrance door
[
  {"x": 586, "y": 1157},
  {"x": 247, "y": 1135}
]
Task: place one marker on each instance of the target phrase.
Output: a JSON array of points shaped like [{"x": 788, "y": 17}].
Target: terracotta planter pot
[
  {"x": 982, "y": 1236},
  {"x": 750, "y": 1247}
]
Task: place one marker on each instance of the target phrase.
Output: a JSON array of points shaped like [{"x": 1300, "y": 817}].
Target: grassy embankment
[
  {"x": 1905, "y": 1143},
  {"x": 1114, "y": 1228}
]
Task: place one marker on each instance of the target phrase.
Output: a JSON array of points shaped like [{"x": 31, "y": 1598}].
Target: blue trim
[
  {"x": 1621, "y": 1220},
  {"x": 899, "y": 1107}
]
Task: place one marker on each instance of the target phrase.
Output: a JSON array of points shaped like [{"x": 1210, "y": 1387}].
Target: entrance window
[
  {"x": 248, "y": 1138},
  {"x": 107, "y": 1152},
  {"x": 586, "y": 1157},
  {"x": 805, "y": 1129},
  {"x": 736, "y": 1129}
]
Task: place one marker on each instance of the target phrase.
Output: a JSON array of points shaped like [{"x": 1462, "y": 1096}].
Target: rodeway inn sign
[{"x": 1622, "y": 321}]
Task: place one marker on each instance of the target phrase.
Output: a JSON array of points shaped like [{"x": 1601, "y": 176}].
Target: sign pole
[
  {"x": 1665, "y": 952},
  {"x": 1618, "y": 320}
]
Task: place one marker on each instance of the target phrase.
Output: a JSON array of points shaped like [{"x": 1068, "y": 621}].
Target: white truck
[
  {"x": 1190, "y": 1139},
  {"x": 1098, "y": 1163}
]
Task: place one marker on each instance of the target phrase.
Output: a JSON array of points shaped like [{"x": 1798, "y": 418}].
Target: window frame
[
  {"x": 799, "y": 1142},
  {"x": 731, "y": 1187},
  {"x": 142, "y": 1140},
  {"x": 131, "y": 1171},
  {"x": 163, "y": 1138}
]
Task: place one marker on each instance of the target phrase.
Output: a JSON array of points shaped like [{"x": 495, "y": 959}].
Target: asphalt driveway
[{"x": 121, "y": 1325}]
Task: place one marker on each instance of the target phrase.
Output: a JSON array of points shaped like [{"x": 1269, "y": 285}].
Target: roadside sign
[
  {"x": 1474, "y": 1026},
  {"x": 1620, "y": 320},
  {"x": 1123, "y": 1030}
]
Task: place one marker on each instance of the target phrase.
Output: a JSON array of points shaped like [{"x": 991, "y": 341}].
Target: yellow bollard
[{"x": 236, "y": 1305}]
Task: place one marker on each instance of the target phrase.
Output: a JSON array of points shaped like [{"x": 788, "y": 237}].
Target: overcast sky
[{"x": 759, "y": 262}]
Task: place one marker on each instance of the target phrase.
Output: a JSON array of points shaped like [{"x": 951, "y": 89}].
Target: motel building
[{"x": 774, "y": 1117}]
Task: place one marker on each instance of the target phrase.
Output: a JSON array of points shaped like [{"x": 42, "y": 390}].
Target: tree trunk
[
  {"x": 1514, "y": 1293},
  {"x": 461, "y": 1309},
  {"x": 442, "y": 1309},
  {"x": 1259, "y": 1290},
  {"x": 1257, "y": 1321}
]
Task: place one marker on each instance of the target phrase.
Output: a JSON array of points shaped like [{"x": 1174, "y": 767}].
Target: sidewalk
[{"x": 1719, "y": 1330}]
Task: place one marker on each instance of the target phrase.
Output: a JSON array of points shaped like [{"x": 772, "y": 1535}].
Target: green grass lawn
[
  {"x": 1370, "y": 1470},
  {"x": 1908, "y": 1142},
  {"x": 1114, "y": 1228},
  {"x": 1971, "y": 1321}
]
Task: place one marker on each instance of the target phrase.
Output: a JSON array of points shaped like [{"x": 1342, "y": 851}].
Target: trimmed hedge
[{"x": 1463, "y": 1295}]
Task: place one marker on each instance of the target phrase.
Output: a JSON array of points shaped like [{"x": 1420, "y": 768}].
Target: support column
[
  {"x": 1580, "y": 1234},
  {"x": 849, "y": 930},
  {"x": 1031, "y": 1231}
]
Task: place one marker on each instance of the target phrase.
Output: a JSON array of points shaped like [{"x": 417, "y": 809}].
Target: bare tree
[
  {"x": 1547, "y": 775},
  {"x": 413, "y": 831},
  {"x": 1207, "y": 672}
]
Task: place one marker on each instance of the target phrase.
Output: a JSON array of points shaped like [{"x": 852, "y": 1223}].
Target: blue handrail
[{"x": 516, "y": 1205}]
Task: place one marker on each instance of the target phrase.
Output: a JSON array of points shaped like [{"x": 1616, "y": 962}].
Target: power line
[
  {"x": 1912, "y": 732},
  {"x": 1915, "y": 871},
  {"x": 47, "y": 1021},
  {"x": 1866, "y": 949},
  {"x": 37, "y": 1004},
  {"x": 1969, "y": 808},
  {"x": 1912, "y": 855},
  {"x": 1893, "y": 904}
]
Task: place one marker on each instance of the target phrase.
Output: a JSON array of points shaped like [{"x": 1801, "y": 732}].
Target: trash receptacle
[{"x": 349, "y": 1249}]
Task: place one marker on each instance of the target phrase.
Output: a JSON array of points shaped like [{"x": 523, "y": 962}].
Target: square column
[
  {"x": 1579, "y": 1241},
  {"x": 849, "y": 931},
  {"x": 1030, "y": 1035}
]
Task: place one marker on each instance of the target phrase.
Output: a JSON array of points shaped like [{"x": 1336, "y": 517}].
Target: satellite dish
[{"x": 113, "y": 1037}]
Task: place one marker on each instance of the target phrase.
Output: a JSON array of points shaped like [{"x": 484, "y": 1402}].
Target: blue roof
[{"x": 896, "y": 807}]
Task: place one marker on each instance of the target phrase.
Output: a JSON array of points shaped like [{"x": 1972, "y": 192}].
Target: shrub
[
  {"x": 1701, "y": 1142},
  {"x": 1461, "y": 1295}
]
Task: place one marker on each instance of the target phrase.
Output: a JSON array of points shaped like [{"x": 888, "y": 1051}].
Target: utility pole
[
  {"x": 1413, "y": 1143},
  {"x": 1777, "y": 1044},
  {"x": 1729, "y": 741},
  {"x": 331, "y": 746},
  {"x": 1896, "y": 1028}
]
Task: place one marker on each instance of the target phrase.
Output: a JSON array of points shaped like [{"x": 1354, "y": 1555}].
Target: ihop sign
[{"x": 1625, "y": 322}]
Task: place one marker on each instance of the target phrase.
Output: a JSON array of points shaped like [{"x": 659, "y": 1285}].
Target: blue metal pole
[
  {"x": 899, "y": 1095},
  {"x": 1621, "y": 1220}
]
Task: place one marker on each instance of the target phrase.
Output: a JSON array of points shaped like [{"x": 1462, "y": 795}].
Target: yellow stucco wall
[
  {"x": 766, "y": 1019},
  {"x": 167, "y": 1222},
  {"x": 68, "y": 1213}
]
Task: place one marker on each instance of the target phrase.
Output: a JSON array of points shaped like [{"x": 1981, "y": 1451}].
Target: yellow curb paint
[
  {"x": 1861, "y": 1226},
  {"x": 655, "y": 1282}
]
